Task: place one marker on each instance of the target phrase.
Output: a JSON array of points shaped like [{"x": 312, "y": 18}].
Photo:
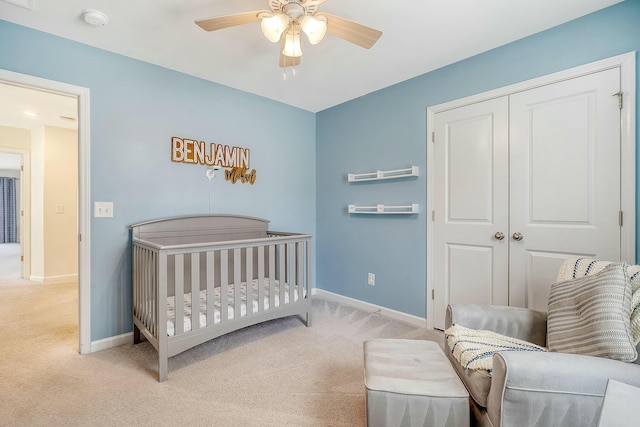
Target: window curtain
[{"x": 8, "y": 217}]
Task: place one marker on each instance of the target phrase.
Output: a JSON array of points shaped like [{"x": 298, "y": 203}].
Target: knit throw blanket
[
  {"x": 474, "y": 349},
  {"x": 580, "y": 267}
]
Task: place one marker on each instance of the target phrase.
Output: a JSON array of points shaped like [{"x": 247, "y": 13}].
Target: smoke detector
[{"x": 95, "y": 17}]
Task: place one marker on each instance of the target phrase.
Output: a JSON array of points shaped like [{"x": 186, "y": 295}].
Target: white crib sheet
[{"x": 171, "y": 302}]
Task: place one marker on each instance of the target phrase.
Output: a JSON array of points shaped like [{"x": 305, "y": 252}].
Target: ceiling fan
[{"x": 290, "y": 18}]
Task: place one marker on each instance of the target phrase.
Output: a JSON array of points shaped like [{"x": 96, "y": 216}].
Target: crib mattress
[{"x": 171, "y": 303}]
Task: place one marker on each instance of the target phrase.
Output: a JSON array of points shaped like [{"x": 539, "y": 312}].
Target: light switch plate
[{"x": 103, "y": 209}]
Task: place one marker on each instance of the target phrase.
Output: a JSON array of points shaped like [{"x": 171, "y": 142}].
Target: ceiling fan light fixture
[
  {"x": 314, "y": 27},
  {"x": 292, "y": 47},
  {"x": 273, "y": 27}
]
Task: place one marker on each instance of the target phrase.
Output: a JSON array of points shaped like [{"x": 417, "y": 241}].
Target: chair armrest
[
  {"x": 521, "y": 323},
  {"x": 542, "y": 389}
]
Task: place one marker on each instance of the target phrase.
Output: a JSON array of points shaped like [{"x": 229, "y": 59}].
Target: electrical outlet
[{"x": 371, "y": 279}]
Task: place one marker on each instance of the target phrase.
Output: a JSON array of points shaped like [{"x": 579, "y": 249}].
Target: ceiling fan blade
[
  {"x": 287, "y": 61},
  {"x": 351, "y": 31},
  {"x": 213, "y": 24}
]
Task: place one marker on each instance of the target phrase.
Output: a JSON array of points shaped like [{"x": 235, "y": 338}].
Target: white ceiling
[
  {"x": 27, "y": 108},
  {"x": 42, "y": 108},
  {"x": 418, "y": 37}
]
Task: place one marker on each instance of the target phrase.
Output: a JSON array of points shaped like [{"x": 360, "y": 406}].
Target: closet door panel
[
  {"x": 471, "y": 206},
  {"x": 565, "y": 180}
]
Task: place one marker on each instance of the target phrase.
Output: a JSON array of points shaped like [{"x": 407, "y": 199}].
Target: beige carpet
[
  {"x": 9, "y": 262},
  {"x": 279, "y": 373}
]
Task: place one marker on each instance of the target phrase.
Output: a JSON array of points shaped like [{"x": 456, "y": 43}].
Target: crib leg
[
  {"x": 163, "y": 362},
  {"x": 136, "y": 335},
  {"x": 307, "y": 321},
  {"x": 162, "y": 370}
]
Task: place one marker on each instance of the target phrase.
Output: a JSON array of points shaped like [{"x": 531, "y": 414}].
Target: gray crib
[{"x": 196, "y": 278}]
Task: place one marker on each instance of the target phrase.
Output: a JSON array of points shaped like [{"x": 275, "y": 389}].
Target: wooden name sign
[{"x": 236, "y": 159}]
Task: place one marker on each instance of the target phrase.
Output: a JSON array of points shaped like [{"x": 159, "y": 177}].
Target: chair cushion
[
  {"x": 590, "y": 315},
  {"x": 477, "y": 383},
  {"x": 474, "y": 349}
]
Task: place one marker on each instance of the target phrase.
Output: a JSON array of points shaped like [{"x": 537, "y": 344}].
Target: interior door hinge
[
  {"x": 433, "y": 294},
  {"x": 80, "y": 237},
  {"x": 433, "y": 137},
  {"x": 619, "y": 95},
  {"x": 21, "y": 258},
  {"x": 21, "y": 213},
  {"x": 22, "y": 168},
  {"x": 620, "y": 218},
  {"x": 433, "y": 215}
]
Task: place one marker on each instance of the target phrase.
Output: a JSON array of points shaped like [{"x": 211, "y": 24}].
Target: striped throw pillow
[
  {"x": 577, "y": 267},
  {"x": 591, "y": 315}
]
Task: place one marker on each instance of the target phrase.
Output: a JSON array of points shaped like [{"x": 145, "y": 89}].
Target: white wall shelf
[
  {"x": 384, "y": 210},
  {"x": 381, "y": 175}
]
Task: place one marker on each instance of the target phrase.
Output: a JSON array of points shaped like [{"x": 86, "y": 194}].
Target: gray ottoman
[{"x": 411, "y": 383}]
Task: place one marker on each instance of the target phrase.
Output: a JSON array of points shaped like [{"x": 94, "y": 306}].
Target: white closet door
[
  {"x": 565, "y": 180},
  {"x": 471, "y": 205}
]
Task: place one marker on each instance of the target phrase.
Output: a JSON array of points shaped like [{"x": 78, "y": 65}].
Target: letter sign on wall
[{"x": 235, "y": 159}]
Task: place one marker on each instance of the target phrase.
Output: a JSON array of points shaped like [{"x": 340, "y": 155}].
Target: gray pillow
[{"x": 590, "y": 315}]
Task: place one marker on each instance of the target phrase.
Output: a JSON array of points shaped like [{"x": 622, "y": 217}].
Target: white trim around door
[
  {"x": 627, "y": 65},
  {"x": 84, "y": 190}
]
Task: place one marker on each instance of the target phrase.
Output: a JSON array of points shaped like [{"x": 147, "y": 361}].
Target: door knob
[
  {"x": 517, "y": 236},
  {"x": 499, "y": 235}
]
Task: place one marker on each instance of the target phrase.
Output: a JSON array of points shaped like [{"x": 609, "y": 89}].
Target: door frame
[
  {"x": 627, "y": 64},
  {"x": 84, "y": 190}
]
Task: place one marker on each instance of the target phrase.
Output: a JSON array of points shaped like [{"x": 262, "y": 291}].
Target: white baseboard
[
  {"x": 55, "y": 279},
  {"x": 111, "y": 342},
  {"x": 127, "y": 338},
  {"x": 371, "y": 308}
]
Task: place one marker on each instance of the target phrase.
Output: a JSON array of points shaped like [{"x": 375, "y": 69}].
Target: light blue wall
[
  {"x": 387, "y": 129},
  {"x": 135, "y": 110},
  {"x": 137, "y": 107}
]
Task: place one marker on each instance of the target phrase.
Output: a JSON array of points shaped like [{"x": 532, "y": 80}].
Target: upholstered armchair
[{"x": 541, "y": 388}]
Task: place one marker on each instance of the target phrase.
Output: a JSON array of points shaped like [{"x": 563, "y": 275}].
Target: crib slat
[
  {"x": 308, "y": 283},
  {"x": 300, "y": 264},
  {"x": 237, "y": 283},
  {"x": 142, "y": 305},
  {"x": 151, "y": 282},
  {"x": 136, "y": 281},
  {"x": 272, "y": 278},
  {"x": 163, "y": 350},
  {"x": 224, "y": 285},
  {"x": 249, "y": 279},
  {"x": 291, "y": 277},
  {"x": 179, "y": 282},
  {"x": 146, "y": 288},
  {"x": 139, "y": 285},
  {"x": 143, "y": 285},
  {"x": 210, "y": 286},
  {"x": 260, "y": 278},
  {"x": 282, "y": 271},
  {"x": 195, "y": 291}
]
